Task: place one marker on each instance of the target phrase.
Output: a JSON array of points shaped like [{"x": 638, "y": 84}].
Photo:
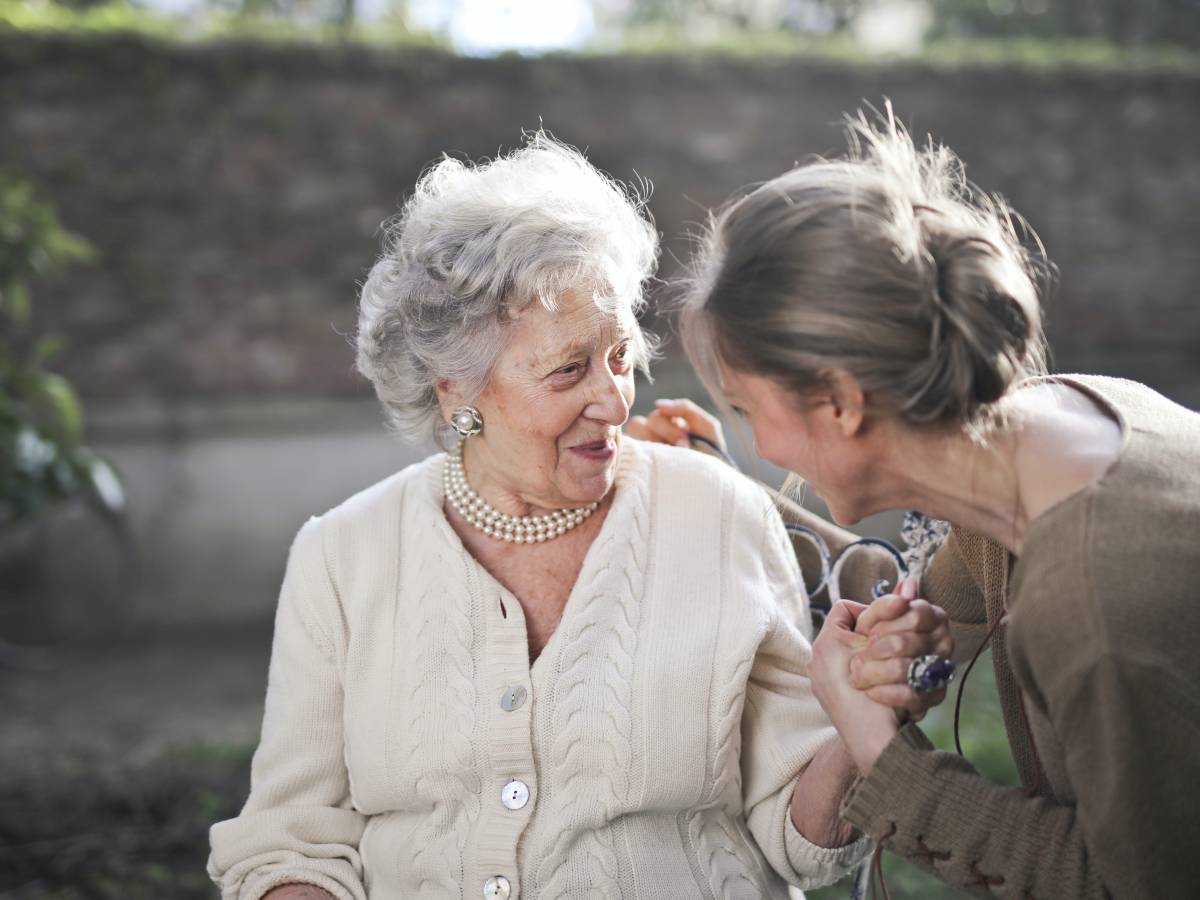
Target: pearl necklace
[{"x": 492, "y": 522}]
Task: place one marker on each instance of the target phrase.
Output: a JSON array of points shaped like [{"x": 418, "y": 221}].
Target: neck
[
  {"x": 485, "y": 480},
  {"x": 953, "y": 477}
]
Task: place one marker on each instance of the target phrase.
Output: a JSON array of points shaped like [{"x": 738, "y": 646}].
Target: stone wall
[{"x": 235, "y": 192}]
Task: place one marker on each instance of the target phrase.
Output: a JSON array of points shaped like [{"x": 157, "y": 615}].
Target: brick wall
[{"x": 234, "y": 191}]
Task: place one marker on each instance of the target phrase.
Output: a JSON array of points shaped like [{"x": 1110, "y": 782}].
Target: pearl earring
[{"x": 467, "y": 421}]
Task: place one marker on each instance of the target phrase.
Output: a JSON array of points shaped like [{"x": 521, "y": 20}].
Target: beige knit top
[
  {"x": 1101, "y": 646},
  {"x": 409, "y": 750}
]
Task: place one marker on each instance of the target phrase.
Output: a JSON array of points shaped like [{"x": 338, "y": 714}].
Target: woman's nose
[{"x": 609, "y": 404}]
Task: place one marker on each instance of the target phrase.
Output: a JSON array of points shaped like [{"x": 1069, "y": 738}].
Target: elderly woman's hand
[
  {"x": 898, "y": 628},
  {"x": 866, "y": 727},
  {"x": 673, "y": 421}
]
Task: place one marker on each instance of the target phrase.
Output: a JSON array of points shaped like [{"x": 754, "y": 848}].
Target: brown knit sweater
[{"x": 1102, "y": 641}]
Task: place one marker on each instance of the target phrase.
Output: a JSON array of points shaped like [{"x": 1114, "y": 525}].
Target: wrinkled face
[
  {"x": 556, "y": 402},
  {"x": 805, "y": 435}
]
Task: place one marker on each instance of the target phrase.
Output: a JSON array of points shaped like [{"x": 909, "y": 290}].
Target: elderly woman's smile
[
  {"x": 598, "y": 450},
  {"x": 554, "y": 407}
]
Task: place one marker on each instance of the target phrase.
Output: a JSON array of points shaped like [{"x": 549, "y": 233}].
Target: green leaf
[
  {"x": 58, "y": 392},
  {"x": 16, "y": 298},
  {"x": 46, "y": 348},
  {"x": 66, "y": 247}
]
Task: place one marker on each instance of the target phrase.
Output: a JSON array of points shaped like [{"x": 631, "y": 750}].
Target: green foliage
[
  {"x": 655, "y": 30},
  {"x": 42, "y": 458},
  {"x": 104, "y": 17},
  {"x": 686, "y": 15},
  {"x": 1120, "y": 22},
  {"x": 1029, "y": 53},
  {"x": 661, "y": 39},
  {"x": 1055, "y": 54},
  {"x": 269, "y": 23},
  {"x": 1123, "y": 22}
]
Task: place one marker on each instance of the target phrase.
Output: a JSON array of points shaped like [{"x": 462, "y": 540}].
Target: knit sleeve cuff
[
  {"x": 822, "y": 865},
  {"x": 258, "y": 884},
  {"x": 872, "y": 801}
]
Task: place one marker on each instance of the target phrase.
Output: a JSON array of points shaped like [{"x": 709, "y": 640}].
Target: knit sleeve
[
  {"x": 298, "y": 824},
  {"x": 1133, "y": 831},
  {"x": 948, "y": 582},
  {"x": 783, "y": 727},
  {"x": 935, "y": 810}
]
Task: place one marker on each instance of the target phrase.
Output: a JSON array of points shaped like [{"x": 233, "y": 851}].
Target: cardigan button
[
  {"x": 496, "y": 888},
  {"x": 513, "y": 698},
  {"x": 515, "y": 794}
]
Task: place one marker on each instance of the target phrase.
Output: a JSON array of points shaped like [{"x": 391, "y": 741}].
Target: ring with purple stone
[{"x": 930, "y": 673}]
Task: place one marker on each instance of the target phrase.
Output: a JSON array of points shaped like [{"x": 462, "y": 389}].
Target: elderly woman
[
  {"x": 549, "y": 662},
  {"x": 877, "y": 323}
]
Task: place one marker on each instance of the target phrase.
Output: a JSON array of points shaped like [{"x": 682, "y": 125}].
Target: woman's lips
[{"x": 595, "y": 450}]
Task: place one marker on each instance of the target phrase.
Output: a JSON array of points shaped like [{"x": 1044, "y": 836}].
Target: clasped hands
[{"x": 860, "y": 662}]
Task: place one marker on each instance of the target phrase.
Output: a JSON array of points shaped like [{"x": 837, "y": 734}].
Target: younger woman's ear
[{"x": 848, "y": 400}]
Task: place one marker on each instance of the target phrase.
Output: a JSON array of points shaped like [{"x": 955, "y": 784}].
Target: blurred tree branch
[{"x": 686, "y": 15}]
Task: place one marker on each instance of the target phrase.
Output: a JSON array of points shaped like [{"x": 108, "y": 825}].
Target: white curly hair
[{"x": 475, "y": 244}]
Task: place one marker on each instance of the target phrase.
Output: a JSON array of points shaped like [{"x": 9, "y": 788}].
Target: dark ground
[{"x": 114, "y": 763}]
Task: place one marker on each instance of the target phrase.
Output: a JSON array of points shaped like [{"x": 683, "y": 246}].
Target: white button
[
  {"x": 515, "y": 794},
  {"x": 513, "y": 698},
  {"x": 496, "y": 887}
]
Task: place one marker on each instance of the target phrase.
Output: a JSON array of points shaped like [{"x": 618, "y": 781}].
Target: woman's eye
[
  {"x": 572, "y": 369},
  {"x": 622, "y": 355},
  {"x": 741, "y": 413}
]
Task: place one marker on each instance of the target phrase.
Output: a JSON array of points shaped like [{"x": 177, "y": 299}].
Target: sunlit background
[
  {"x": 191, "y": 190},
  {"x": 485, "y": 27}
]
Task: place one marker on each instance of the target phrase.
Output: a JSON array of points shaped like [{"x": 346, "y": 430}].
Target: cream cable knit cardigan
[{"x": 662, "y": 732}]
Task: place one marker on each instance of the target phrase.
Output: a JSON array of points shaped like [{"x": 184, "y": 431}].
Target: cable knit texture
[{"x": 662, "y": 731}]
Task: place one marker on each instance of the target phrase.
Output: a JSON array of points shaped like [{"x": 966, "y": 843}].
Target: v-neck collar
[{"x": 597, "y": 557}]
